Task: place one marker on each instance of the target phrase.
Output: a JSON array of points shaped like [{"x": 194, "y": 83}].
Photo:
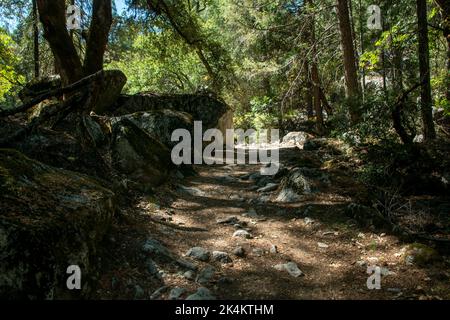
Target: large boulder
[
  {"x": 55, "y": 148},
  {"x": 109, "y": 88},
  {"x": 50, "y": 219},
  {"x": 141, "y": 157},
  {"x": 161, "y": 123},
  {"x": 202, "y": 106}
]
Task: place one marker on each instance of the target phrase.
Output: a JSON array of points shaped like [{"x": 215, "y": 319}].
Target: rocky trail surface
[{"x": 229, "y": 233}]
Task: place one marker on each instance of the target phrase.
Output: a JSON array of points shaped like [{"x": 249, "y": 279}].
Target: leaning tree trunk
[
  {"x": 424, "y": 65},
  {"x": 52, "y": 14},
  {"x": 351, "y": 74}
]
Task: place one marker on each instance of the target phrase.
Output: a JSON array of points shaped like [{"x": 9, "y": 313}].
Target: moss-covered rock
[
  {"x": 306, "y": 180},
  {"x": 50, "y": 219},
  {"x": 55, "y": 148},
  {"x": 421, "y": 254}
]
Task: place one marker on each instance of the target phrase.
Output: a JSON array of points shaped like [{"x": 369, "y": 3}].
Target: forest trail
[{"x": 205, "y": 210}]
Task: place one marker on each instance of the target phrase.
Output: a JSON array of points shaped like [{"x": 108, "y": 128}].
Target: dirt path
[{"x": 331, "y": 251}]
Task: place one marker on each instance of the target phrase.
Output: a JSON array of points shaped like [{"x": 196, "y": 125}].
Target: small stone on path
[
  {"x": 198, "y": 253},
  {"x": 242, "y": 234},
  {"x": 291, "y": 268}
]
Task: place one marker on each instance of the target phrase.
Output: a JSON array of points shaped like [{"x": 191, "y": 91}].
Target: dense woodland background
[
  {"x": 276, "y": 63},
  {"x": 372, "y": 105},
  {"x": 273, "y": 61}
]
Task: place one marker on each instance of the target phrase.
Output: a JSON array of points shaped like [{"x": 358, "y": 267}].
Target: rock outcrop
[
  {"x": 161, "y": 123},
  {"x": 202, "y": 106},
  {"x": 50, "y": 219}
]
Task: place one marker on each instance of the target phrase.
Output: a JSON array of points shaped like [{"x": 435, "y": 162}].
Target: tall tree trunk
[
  {"x": 98, "y": 36},
  {"x": 317, "y": 101},
  {"x": 308, "y": 92},
  {"x": 445, "y": 11},
  {"x": 351, "y": 74},
  {"x": 36, "y": 40},
  {"x": 424, "y": 64},
  {"x": 383, "y": 59},
  {"x": 397, "y": 76},
  {"x": 52, "y": 14},
  {"x": 316, "y": 79},
  {"x": 361, "y": 43}
]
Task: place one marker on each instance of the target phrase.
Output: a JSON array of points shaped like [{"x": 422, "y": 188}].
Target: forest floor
[{"x": 332, "y": 250}]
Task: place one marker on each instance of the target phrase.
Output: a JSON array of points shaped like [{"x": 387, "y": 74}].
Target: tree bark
[
  {"x": 424, "y": 65},
  {"x": 315, "y": 79},
  {"x": 98, "y": 36},
  {"x": 397, "y": 74},
  {"x": 361, "y": 43},
  {"x": 52, "y": 14},
  {"x": 36, "y": 40},
  {"x": 351, "y": 74},
  {"x": 325, "y": 102},
  {"x": 308, "y": 93},
  {"x": 397, "y": 112}
]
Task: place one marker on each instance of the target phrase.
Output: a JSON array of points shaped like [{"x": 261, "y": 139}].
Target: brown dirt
[{"x": 330, "y": 273}]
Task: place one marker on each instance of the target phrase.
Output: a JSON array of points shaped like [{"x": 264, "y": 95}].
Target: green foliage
[
  {"x": 155, "y": 63},
  {"x": 253, "y": 54},
  {"x": 382, "y": 161},
  {"x": 260, "y": 116},
  {"x": 375, "y": 126},
  {"x": 8, "y": 60}
]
